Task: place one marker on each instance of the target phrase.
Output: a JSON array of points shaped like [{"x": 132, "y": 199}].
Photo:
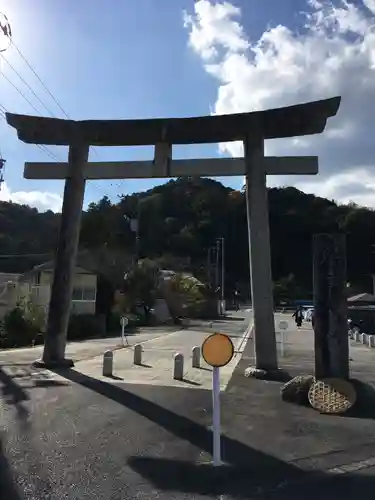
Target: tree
[
  {"x": 182, "y": 219},
  {"x": 286, "y": 290},
  {"x": 140, "y": 287}
]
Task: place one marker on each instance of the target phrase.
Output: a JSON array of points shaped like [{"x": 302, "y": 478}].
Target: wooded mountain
[{"x": 180, "y": 220}]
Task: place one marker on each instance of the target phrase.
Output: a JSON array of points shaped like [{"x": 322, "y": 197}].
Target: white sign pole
[
  {"x": 283, "y": 325},
  {"x": 124, "y": 322},
  {"x": 216, "y": 416}
]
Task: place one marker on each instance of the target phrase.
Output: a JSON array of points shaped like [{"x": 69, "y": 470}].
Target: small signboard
[
  {"x": 124, "y": 324},
  {"x": 283, "y": 325},
  {"x": 217, "y": 351}
]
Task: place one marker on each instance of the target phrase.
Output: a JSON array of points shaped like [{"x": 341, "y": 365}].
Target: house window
[{"x": 84, "y": 293}]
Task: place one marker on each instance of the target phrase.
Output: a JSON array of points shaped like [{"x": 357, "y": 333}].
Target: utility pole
[
  {"x": 137, "y": 241},
  {"x": 217, "y": 256},
  {"x": 220, "y": 242},
  {"x": 134, "y": 227},
  {"x": 209, "y": 265}
]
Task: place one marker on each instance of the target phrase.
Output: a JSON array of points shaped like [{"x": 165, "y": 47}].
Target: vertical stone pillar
[
  {"x": 62, "y": 284},
  {"x": 331, "y": 328},
  {"x": 260, "y": 254}
]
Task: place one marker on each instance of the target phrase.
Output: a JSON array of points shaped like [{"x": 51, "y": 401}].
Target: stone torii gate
[{"x": 251, "y": 128}]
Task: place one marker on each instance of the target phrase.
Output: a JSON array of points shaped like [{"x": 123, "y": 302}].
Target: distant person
[
  {"x": 236, "y": 299},
  {"x": 298, "y": 316}
]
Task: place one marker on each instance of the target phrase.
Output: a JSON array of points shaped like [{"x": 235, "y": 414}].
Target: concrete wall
[
  {"x": 8, "y": 297},
  {"x": 80, "y": 281},
  {"x": 83, "y": 307},
  {"x": 40, "y": 293}
]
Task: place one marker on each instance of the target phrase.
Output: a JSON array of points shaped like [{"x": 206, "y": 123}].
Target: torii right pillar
[{"x": 259, "y": 233}]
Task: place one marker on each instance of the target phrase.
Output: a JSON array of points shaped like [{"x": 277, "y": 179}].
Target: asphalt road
[{"x": 79, "y": 438}]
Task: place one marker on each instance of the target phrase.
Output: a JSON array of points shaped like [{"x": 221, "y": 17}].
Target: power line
[
  {"x": 21, "y": 93},
  {"x": 27, "y": 85},
  {"x": 44, "y": 86},
  {"x": 6, "y": 28},
  {"x": 23, "y": 57},
  {"x": 39, "y": 79},
  {"x": 42, "y": 147},
  {"x": 11, "y": 256}
]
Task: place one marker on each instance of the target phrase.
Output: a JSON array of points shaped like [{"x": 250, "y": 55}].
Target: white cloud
[
  {"x": 42, "y": 200},
  {"x": 332, "y": 53}
]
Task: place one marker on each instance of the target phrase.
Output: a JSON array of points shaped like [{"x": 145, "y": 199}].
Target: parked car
[
  {"x": 362, "y": 319},
  {"x": 307, "y": 314}
]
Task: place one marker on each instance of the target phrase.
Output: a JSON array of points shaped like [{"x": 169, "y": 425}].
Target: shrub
[
  {"x": 114, "y": 322},
  {"x": 84, "y": 326},
  {"x": 19, "y": 330}
]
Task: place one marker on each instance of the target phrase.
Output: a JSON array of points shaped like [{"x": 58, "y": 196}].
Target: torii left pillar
[
  {"x": 65, "y": 258},
  {"x": 260, "y": 254}
]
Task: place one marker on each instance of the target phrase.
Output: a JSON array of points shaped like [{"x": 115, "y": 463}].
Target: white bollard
[
  {"x": 363, "y": 338},
  {"x": 108, "y": 364},
  {"x": 371, "y": 340},
  {"x": 196, "y": 357},
  {"x": 178, "y": 367},
  {"x": 138, "y": 354}
]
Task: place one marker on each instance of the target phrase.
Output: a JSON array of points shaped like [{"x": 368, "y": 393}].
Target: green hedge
[
  {"x": 85, "y": 326},
  {"x": 17, "y": 331},
  {"x": 114, "y": 322}
]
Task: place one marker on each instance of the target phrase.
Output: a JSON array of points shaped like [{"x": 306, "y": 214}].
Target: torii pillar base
[{"x": 54, "y": 364}]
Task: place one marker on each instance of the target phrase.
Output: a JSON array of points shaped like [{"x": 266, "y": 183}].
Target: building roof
[
  {"x": 49, "y": 267},
  {"x": 167, "y": 274},
  {"x": 5, "y": 277},
  {"x": 363, "y": 297},
  {"x": 301, "y": 119}
]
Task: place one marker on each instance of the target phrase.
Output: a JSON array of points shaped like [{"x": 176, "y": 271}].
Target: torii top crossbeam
[{"x": 291, "y": 121}]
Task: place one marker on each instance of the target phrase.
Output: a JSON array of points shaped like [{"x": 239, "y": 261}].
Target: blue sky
[
  {"x": 112, "y": 59},
  {"x": 135, "y": 59}
]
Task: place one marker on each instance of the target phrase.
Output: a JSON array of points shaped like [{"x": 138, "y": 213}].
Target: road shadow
[
  {"x": 229, "y": 318},
  {"x": 14, "y": 395},
  {"x": 248, "y": 473},
  {"x": 191, "y": 382},
  {"x": 259, "y": 480},
  {"x": 364, "y": 406},
  {"x": 241, "y": 458},
  {"x": 9, "y": 490},
  {"x": 114, "y": 377},
  {"x": 17, "y": 395},
  {"x": 50, "y": 383}
]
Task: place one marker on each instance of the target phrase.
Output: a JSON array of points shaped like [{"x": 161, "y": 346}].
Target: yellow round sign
[{"x": 217, "y": 350}]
